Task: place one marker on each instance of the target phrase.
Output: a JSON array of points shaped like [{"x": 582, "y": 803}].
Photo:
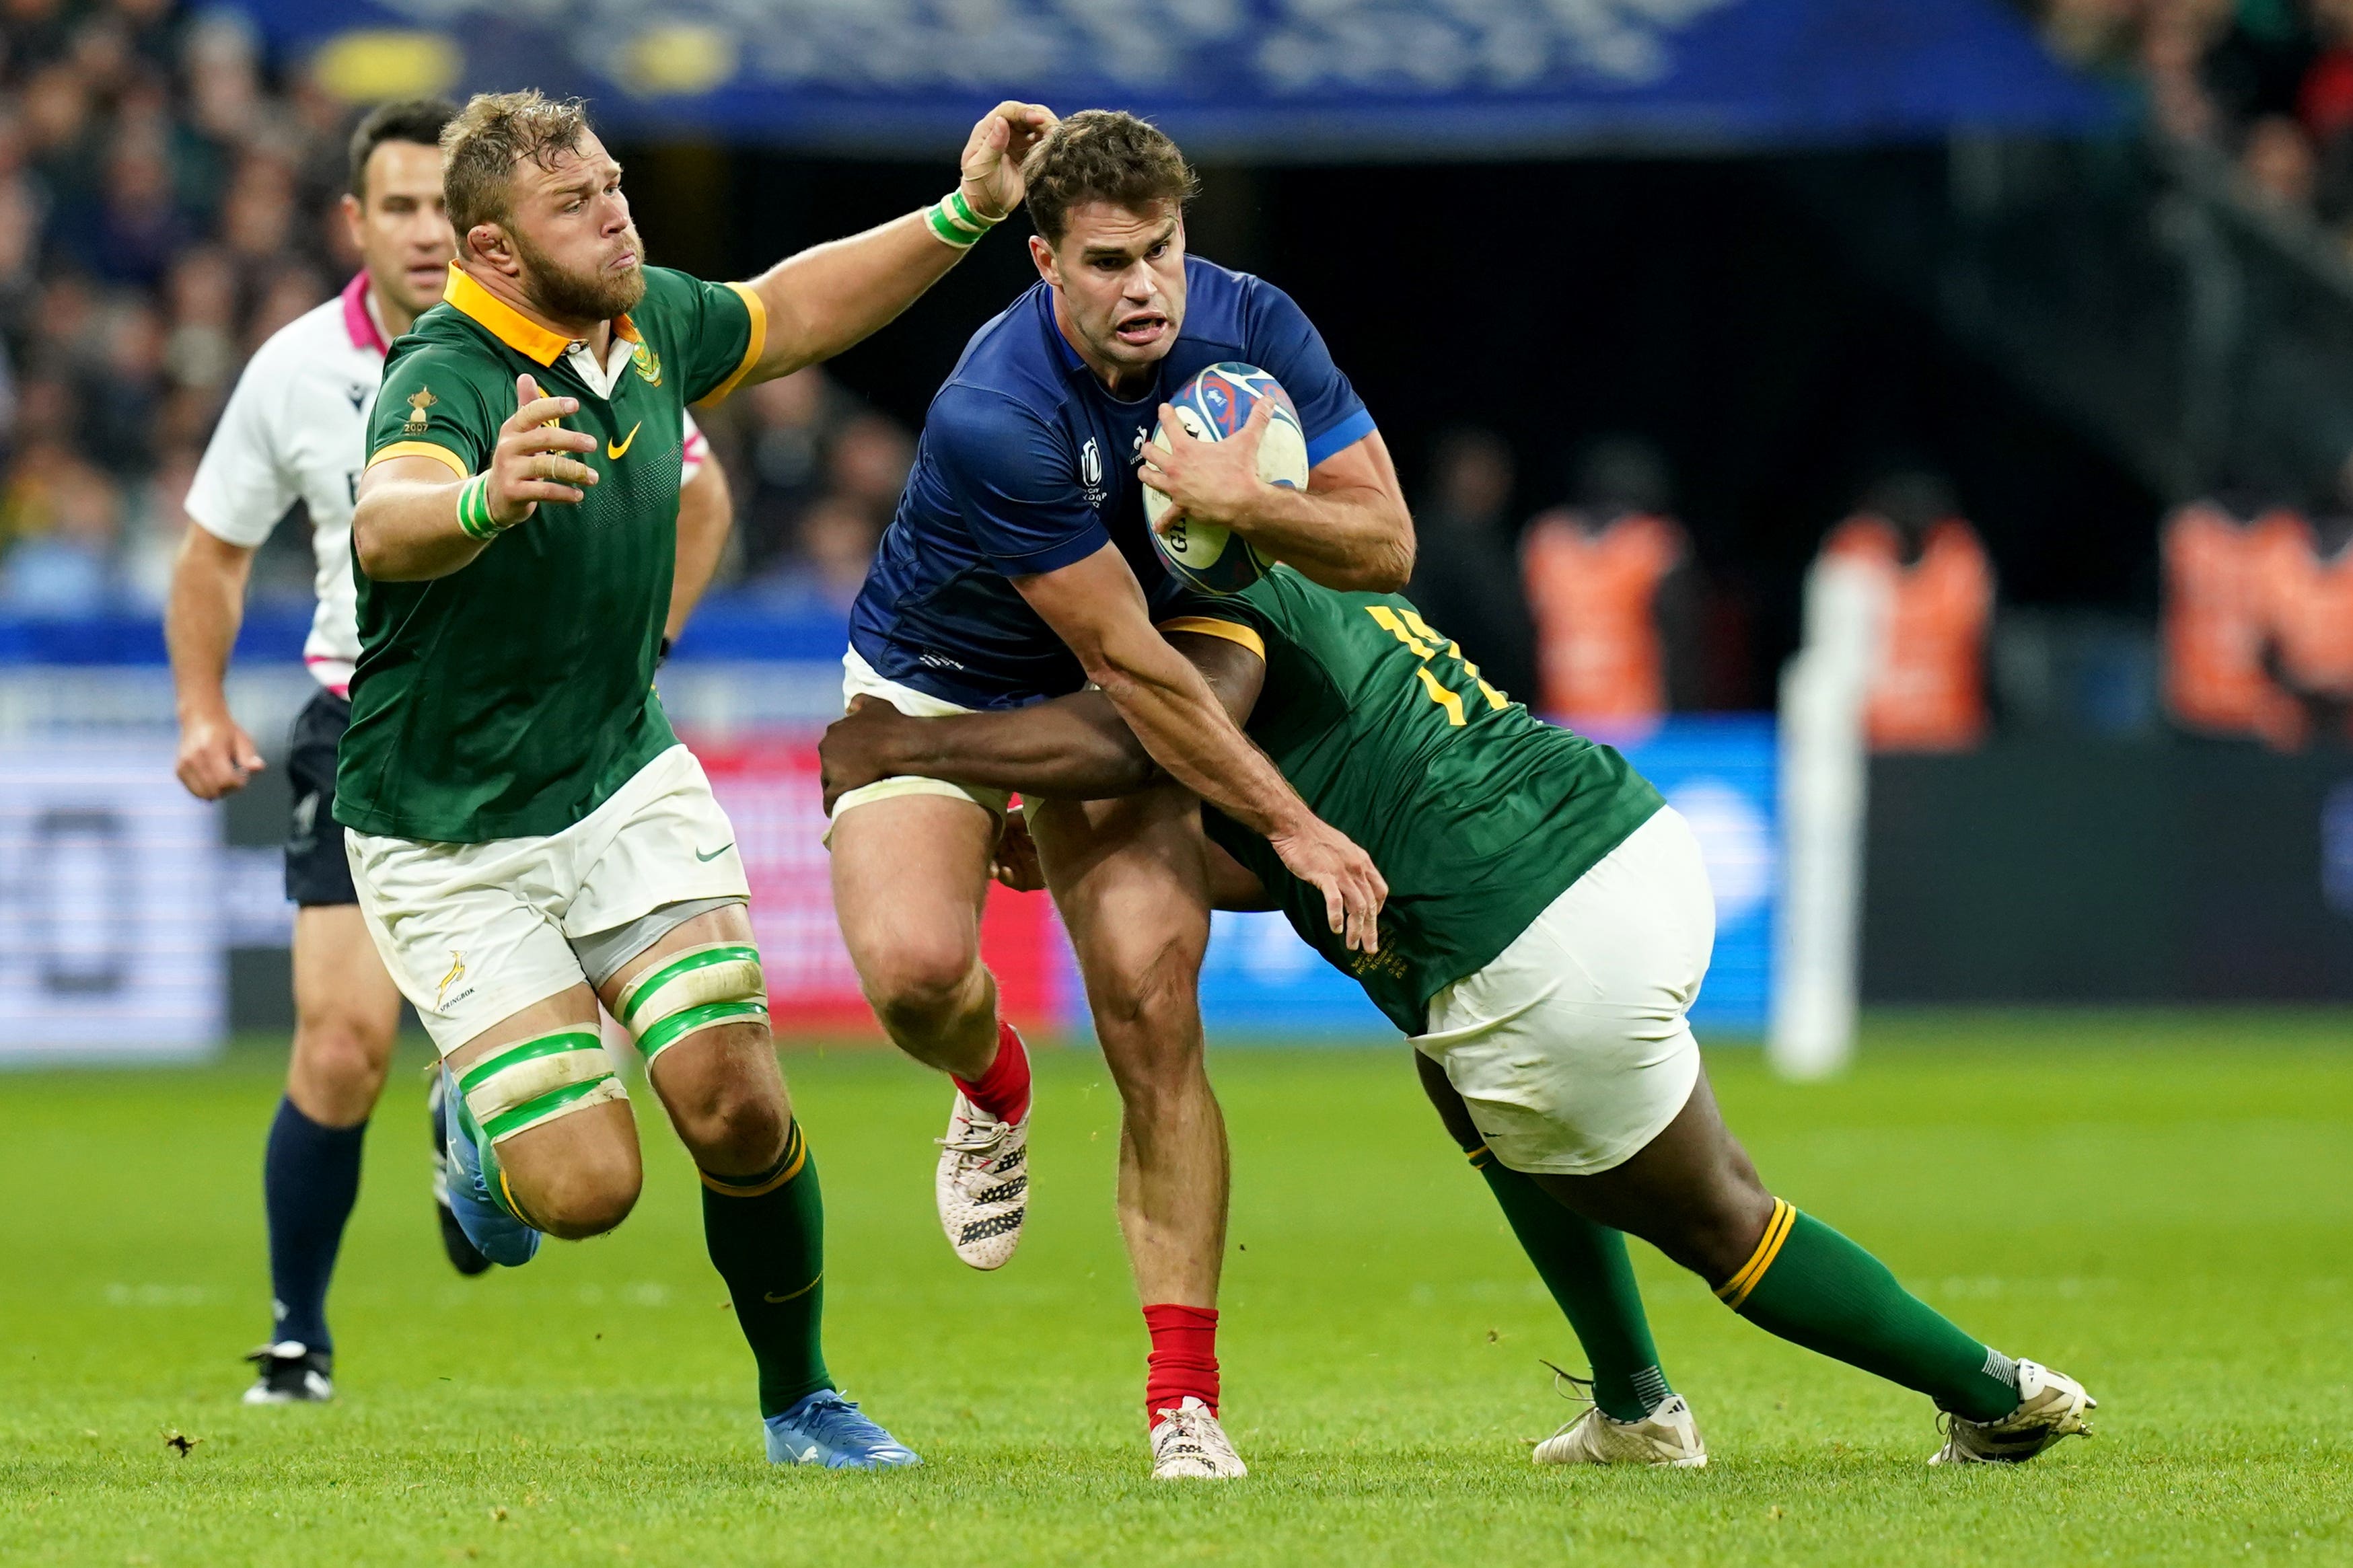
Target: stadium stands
[{"x": 167, "y": 202}]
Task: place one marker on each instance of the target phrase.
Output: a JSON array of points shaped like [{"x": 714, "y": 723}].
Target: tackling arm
[
  {"x": 1350, "y": 529},
  {"x": 1073, "y": 748},
  {"x": 1097, "y": 609},
  {"x": 830, "y": 296}
]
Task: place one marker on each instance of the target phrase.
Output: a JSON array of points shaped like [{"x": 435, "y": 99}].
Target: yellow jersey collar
[{"x": 510, "y": 326}]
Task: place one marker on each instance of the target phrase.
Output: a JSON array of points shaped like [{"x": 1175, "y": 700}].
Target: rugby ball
[{"x": 1214, "y": 406}]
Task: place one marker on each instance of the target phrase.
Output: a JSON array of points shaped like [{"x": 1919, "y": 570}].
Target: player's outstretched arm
[
  {"x": 1096, "y": 609},
  {"x": 830, "y": 296},
  {"x": 1073, "y": 748},
  {"x": 1349, "y": 529},
  {"x": 416, "y": 519}
]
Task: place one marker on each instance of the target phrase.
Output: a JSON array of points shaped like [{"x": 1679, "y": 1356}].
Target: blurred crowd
[
  {"x": 165, "y": 205},
  {"x": 1596, "y": 610},
  {"x": 2267, "y": 82}
]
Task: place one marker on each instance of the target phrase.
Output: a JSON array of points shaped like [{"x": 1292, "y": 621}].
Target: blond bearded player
[
  {"x": 295, "y": 429},
  {"x": 527, "y": 836}
]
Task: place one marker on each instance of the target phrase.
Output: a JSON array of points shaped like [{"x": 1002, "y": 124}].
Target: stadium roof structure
[{"x": 1271, "y": 79}]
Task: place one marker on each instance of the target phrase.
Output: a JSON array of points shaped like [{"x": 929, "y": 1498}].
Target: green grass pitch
[{"x": 2160, "y": 1205}]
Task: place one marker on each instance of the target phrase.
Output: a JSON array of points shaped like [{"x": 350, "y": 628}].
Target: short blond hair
[{"x": 491, "y": 135}]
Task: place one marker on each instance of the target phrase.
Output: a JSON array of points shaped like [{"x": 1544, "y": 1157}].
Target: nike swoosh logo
[
  {"x": 615, "y": 452},
  {"x": 715, "y": 854}
]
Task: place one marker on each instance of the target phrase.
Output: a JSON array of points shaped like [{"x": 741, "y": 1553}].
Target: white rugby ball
[{"x": 1214, "y": 406}]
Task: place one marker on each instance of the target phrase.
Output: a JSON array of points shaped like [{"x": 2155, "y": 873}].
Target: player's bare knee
[
  {"x": 586, "y": 1197},
  {"x": 923, "y": 989},
  {"x": 1718, "y": 1232},
  {"x": 1153, "y": 996},
  {"x": 338, "y": 1069},
  {"x": 578, "y": 1175},
  {"x": 736, "y": 1126}
]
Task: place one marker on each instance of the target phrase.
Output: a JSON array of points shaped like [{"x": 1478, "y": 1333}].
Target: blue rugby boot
[
  {"x": 464, "y": 1256},
  {"x": 475, "y": 1189},
  {"x": 825, "y": 1429}
]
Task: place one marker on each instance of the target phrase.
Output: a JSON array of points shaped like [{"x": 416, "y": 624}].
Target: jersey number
[{"x": 1411, "y": 630}]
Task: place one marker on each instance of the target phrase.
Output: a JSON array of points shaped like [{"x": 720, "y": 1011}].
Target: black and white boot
[{"x": 291, "y": 1372}]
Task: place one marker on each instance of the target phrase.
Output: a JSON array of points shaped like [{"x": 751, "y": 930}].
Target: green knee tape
[
  {"x": 669, "y": 1031},
  {"x": 701, "y": 988},
  {"x": 538, "y": 1080}
]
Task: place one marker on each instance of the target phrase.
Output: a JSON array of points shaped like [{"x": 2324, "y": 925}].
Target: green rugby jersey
[
  {"x": 513, "y": 697},
  {"x": 1478, "y": 814}
]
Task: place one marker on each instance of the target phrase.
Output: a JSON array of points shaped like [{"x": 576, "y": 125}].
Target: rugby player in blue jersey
[{"x": 1019, "y": 568}]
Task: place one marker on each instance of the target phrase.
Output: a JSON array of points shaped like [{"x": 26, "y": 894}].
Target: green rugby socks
[
  {"x": 767, "y": 1236},
  {"x": 1814, "y": 1287},
  {"x": 1585, "y": 1267}
]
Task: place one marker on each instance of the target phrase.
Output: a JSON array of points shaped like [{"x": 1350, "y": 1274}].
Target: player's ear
[
  {"x": 490, "y": 242},
  {"x": 1043, "y": 255},
  {"x": 353, "y": 213}
]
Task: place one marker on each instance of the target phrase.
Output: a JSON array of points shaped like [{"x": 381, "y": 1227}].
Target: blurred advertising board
[
  {"x": 110, "y": 931},
  {"x": 2053, "y": 870}
]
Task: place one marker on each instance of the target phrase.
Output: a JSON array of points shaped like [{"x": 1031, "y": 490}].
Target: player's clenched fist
[
  {"x": 993, "y": 155},
  {"x": 1352, "y": 886},
  {"x": 531, "y": 463}
]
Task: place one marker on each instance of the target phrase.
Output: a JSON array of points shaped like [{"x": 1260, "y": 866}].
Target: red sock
[
  {"x": 1004, "y": 1089},
  {"x": 1184, "y": 1358}
]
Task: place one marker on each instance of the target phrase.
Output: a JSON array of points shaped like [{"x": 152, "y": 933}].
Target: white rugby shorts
[
  {"x": 474, "y": 933},
  {"x": 859, "y": 679},
  {"x": 1571, "y": 1049}
]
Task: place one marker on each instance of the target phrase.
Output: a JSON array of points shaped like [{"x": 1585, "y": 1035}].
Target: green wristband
[
  {"x": 474, "y": 509},
  {"x": 954, "y": 221},
  {"x": 960, "y": 209}
]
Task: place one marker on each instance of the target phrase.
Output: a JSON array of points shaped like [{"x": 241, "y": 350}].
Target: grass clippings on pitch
[{"x": 2161, "y": 1205}]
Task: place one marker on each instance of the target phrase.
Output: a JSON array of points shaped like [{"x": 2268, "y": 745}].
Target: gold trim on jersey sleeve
[
  {"x": 755, "y": 343},
  {"x": 1210, "y": 626},
  {"x": 422, "y": 449}
]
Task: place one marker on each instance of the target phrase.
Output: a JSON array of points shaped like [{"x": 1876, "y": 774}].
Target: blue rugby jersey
[{"x": 1027, "y": 464}]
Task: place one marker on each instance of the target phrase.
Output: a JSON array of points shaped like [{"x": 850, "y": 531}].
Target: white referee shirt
[{"x": 296, "y": 429}]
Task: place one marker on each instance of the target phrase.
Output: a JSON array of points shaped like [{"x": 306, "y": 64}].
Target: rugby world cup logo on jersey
[
  {"x": 1091, "y": 472},
  {"x": 418, "y": 402}
]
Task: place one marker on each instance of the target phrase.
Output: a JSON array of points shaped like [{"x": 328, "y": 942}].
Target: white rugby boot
[
  {"x": 982, "y": 1184},
  {"x": 1190, "y": 1445},
  {"x": 2051, "y": 1405},
  {"x": 1667, "y": 1435}
]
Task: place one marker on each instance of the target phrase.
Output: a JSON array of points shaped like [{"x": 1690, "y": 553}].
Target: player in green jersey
[
  {"x": 1547, "y": 931},
  {"x": 528, "y": 838}
]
